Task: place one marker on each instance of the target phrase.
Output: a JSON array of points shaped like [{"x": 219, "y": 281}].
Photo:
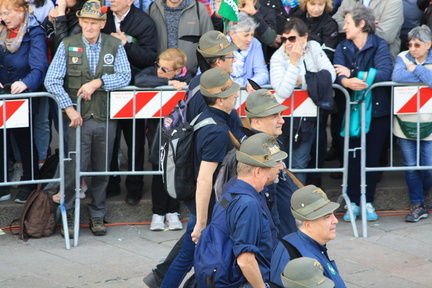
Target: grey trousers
[{"x": 96, "y": 149}]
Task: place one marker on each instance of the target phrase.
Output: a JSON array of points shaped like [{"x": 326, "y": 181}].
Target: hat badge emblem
[{"x": 221, "y": 46}]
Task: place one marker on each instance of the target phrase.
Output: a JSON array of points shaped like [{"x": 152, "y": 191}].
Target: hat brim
[
  {"x": 326, "y": 209},
  {"x": 230, "y": 49},
  {"x": 327, "y": 283},
  {"x": 224, "y": 94},
  {"x": 273, "y": 163},
  {"x": 91, "y": 16},
  {"x": 266, "y": 113}
]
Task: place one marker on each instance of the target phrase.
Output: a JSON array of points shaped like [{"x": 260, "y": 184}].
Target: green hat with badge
[
  {"x": 215, "y": 44},
  {"x": 311, "y": 203},
  {"x": 262, "y": 103},
  {"x": 93, "y": 9},
  {"x": 305, "y": 272},
  {"x": 217, "y": 83},
  {"x": 260, "y": 150}
]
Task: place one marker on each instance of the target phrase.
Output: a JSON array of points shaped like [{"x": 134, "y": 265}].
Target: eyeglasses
[
  {"x": 228, "y": 57},
  {"x": 291, "y": 39},
  {"x": 164, "y": 70},
  {"x": 416, "y": 45}
]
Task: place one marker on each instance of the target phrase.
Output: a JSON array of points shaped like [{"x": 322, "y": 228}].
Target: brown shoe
[
  {"x": 70, "y": 224},
  {"x": 97, "y": 226}
]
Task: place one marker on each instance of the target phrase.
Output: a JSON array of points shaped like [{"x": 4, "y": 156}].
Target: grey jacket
[{"x": 194, "y": 21}]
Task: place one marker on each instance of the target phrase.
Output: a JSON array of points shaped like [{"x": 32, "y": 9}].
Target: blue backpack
[{"x": 214, "y": 261}]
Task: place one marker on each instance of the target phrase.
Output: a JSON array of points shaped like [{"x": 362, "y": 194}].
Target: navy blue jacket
[
  {"x": 308, "y": 248},
  {"x": 375, "y": 54}
]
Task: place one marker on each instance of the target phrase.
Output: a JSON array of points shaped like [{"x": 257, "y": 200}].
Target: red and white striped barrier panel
[
  {"x": 412, "y": 100},
  {"x": 156, "y": 104},
  {"x": 14, "y": 113}
]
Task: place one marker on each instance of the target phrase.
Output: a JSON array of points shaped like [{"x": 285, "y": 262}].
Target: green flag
[{"x": 229, "y": 10}]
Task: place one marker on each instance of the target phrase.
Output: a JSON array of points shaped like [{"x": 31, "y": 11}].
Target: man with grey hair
[
  {"x": 246, "y": 216},
  {"x": 314, "y": 214}
]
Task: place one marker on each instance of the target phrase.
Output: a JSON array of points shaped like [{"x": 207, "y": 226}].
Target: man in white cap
[
  {"x": 314, "y": 214},
  {"x": 83, "y": 65}
]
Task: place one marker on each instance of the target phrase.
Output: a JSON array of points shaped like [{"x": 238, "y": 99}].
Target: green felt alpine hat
[
  {"x": 260, "y": 150},
  {"x": 214, "y": 44},
  {"x": 217, "y": 83},
  {"x": 310, "y": 203},
  {"x": 305, "y": 272},
  {"x": 262, "y": 103}
]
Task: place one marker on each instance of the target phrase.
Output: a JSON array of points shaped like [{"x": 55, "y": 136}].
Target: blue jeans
[
  {"x": 418, "y": 181},
  {"x": 184, "y": 261}
]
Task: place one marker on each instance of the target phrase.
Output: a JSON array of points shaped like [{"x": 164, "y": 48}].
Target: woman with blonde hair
[
  {"x": 23, "y": 65},
  {"x": 170, "y": 69}
]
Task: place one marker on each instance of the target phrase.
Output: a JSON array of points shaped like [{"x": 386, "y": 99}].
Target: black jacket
[
  {"x": 148, "y": 78},
  {"x": 143, "y": 52}
]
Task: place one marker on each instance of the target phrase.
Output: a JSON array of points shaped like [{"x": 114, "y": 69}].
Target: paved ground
[{"x": 396, "y": 254}]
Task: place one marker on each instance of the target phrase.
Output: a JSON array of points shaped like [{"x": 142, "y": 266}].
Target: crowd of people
[{"x": 83, "y": 49}]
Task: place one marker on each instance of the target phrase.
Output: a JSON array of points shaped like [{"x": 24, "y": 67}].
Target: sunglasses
[
  {"x": 228, "y": 57},
  {"x": 164, "y": 70},
  {"x": 416, "y": 45},
  {"x": 291, "y": 39}
]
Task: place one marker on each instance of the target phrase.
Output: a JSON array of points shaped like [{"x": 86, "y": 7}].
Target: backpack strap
[
  {"x": 191, "y": 93},
  {"x": 293, "y": 252},
  {"x": 294, "y": 178}
]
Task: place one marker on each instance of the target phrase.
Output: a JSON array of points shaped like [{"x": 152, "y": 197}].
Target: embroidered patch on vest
[
  {"x": 74, "y": 60},
  {"x": 75, "y": 49},
  {"x": 109, "y": 59}
]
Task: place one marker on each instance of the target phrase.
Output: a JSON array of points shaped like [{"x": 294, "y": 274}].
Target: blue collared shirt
[{"x": 57, "y": 71}]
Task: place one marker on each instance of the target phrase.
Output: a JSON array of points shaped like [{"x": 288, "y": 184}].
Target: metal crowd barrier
[
  {"x": 15, "y": 113},
  {"x": 413, "y": 92}
]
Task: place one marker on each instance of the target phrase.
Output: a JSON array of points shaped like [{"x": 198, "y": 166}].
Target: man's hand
[
  {"x": 248, "y": 7},
  {"x": 177, "y": 84},
  {"x": 87, "y": 90},
  {"x": 120, "y": 35},
  {"x": 74, "y": 116},
  {"x": 196, "y": 233},
  {"x": 18, "y": 87}
]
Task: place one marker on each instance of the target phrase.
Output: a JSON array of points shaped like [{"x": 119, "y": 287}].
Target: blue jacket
[
  {"x": 420, "y": 73},
  {"x": 30, "y": 63},
  {"x": 308, "y": 248},
  {"x": 375, "y": 54}
]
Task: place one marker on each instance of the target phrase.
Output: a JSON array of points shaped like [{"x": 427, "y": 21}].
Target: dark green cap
[
  {"x": 261, "y": 150},
  {"x": 262, "y": 103},
  {"x": 214, "y": 44},
  {"x": 305, "y": 272},
  {"x": 217, "y": 83},
  {"x": 310, "y": 203}
]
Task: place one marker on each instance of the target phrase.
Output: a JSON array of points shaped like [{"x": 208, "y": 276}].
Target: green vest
[{"x": 78, "y": 73}]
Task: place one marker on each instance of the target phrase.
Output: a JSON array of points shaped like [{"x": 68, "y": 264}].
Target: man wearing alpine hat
[
  {"x": 84, "y": 65},
  {"x": 314, "y": 214}
]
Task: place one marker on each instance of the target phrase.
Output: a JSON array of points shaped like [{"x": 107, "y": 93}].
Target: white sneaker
[
  {"x": 83, "y": 190},
  {"x": 157, "y": 223},
  {"x": 17, "y": 173},
  {"x": 173, "y": 221}
]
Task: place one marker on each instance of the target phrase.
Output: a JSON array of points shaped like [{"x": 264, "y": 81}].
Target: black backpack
[{"x": 177, "y": 158}]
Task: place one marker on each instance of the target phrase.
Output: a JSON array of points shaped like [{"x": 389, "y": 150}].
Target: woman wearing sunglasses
[
  {"x": 170, "y": 69},
  {"x": 414, "y": 66},
  {"x": 360, "y": 51},
  {"x": 249, "y": 58},
  {"x": 288, "y": 67}
]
